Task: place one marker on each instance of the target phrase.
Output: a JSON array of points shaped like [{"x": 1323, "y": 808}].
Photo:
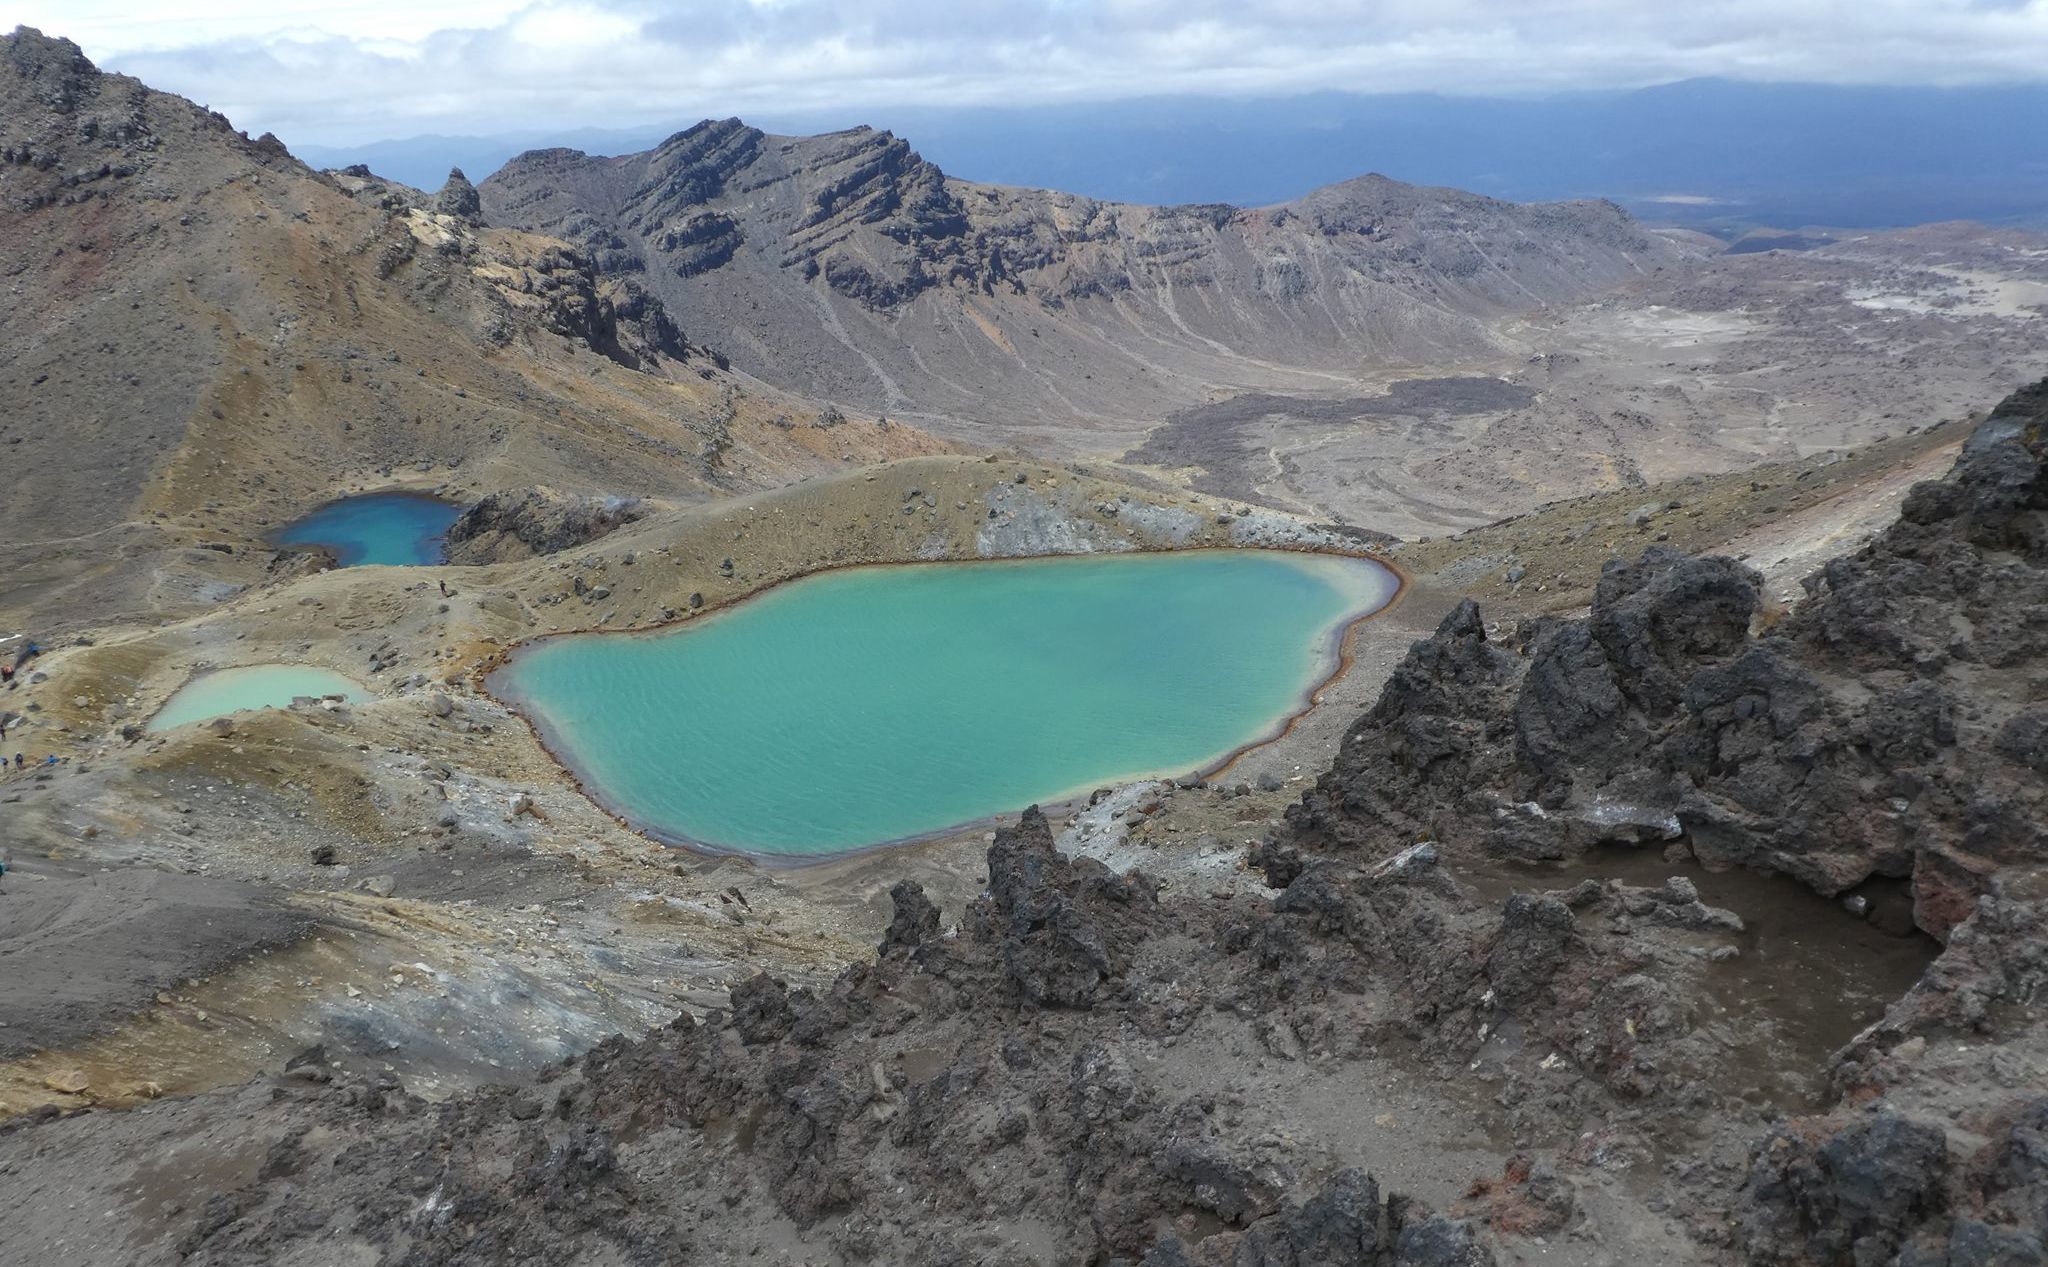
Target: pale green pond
[
  {"x": 878, "y": 704},
  {"x": 225, "y": 691}
]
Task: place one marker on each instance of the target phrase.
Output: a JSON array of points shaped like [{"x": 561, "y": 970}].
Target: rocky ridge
[
  {"x": 848, "y": 266},
  {"x": 1001, "y": 1076},
  {"x": 1858, "y": 736},
  {"x": 1414, "y": 360},
  {"x": 1884, "y": 728}
]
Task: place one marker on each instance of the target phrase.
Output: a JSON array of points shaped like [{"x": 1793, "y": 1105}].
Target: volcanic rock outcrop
[
  {"x": 1888, "y": 727},
  {"x": 458, "y": 198},
  {"x": 520, "y": 525},
  {"x": 957, "y": 1084},
  {"x": 1021, "y": 1070}
]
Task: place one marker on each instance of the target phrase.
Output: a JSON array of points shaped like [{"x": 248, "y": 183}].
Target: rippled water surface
[
  {"x": 875, "y": 704},
  {"x": 402, "y": 528},
  {"x": 227, "y": 691}
]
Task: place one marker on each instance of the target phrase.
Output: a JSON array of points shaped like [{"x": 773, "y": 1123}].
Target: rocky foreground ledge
[
  {"x": 1892, "y": 726},
  {"x": 1440, "y": 1035}
]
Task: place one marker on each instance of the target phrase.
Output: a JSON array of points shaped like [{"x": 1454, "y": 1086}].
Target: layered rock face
[
  {"x": 539, "y": 282},
  {"x": 565, "y": 293},
  {"x": 847, "y": 266}
]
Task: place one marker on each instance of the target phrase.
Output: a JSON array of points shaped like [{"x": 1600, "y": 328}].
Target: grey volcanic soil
[
  {"x": 1223, "y": 439},
  {"x": 81, "y": 949}
]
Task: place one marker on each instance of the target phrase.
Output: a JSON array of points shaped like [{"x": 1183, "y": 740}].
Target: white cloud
[
  {"x": 580, "y": 27},
  {"x": 108, "y": 28},
  {"x": 352, "y": 70}
]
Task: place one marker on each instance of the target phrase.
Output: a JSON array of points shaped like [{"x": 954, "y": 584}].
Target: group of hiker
[
  {"x": 9, "y": 672},
  {"x": 30, "y": 649}
]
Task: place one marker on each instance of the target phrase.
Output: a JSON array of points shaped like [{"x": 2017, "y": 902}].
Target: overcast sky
[{"x": 356, "y": 70}]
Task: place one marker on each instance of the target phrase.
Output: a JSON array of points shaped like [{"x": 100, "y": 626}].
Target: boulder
[
  {"x": 1051, "y": 917},
  {"x": 915, "y": 920},
  {"x": 521, "y": 524}
]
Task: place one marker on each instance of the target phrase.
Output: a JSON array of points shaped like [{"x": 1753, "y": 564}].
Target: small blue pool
[{"x": 406, "y": 529}]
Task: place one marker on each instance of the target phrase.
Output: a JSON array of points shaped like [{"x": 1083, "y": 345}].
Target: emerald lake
[{"x": 877, "y": 704}]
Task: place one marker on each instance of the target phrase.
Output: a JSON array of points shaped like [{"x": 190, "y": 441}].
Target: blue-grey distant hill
[{"x": 1713, "y": 153}]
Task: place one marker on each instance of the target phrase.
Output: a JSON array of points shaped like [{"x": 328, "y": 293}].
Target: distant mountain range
[
  {"x": 1716, "y": 154},
  {"x": 848, "y": 267}
]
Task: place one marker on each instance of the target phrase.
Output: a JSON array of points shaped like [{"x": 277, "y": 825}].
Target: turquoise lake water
[
  {"x": 875, "y": 704},
  {"x": 400, "y": 528},
  {"x": 227, "y": 691}
]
